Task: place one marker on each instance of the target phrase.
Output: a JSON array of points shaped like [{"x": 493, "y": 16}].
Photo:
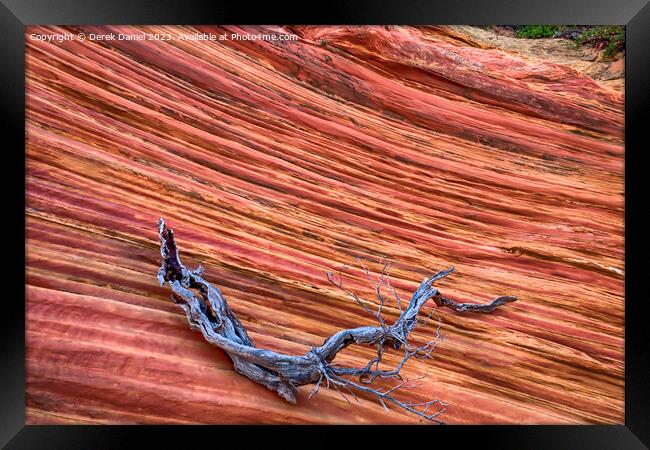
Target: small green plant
[
  {"x": 536, "y": 31},
  {"x": 611, "y": 39}
]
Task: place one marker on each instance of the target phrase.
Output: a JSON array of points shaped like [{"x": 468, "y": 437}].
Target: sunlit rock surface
[{"x": 278, "y": 161}]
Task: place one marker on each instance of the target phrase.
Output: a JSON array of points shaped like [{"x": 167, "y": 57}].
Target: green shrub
[
  {"x": 609, "y": 38},
  {"x": 536, "y": 31}
]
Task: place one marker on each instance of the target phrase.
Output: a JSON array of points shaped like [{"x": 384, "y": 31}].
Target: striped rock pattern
[{"x": 276, "y": 161}]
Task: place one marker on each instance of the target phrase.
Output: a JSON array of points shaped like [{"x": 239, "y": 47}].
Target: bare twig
[{"x": 207, "y": 311}]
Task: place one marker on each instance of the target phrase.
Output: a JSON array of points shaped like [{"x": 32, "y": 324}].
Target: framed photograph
[{"x": 392, "y": 213}]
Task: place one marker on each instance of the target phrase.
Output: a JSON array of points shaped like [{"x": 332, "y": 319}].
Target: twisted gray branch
[{"x": 207, "y": 311}]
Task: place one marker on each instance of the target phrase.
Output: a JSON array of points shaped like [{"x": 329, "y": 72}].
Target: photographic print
[{"x": 325, "y": 224}]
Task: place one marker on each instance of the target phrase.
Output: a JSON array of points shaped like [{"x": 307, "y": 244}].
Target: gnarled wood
[{"x": 209, "y": 313}]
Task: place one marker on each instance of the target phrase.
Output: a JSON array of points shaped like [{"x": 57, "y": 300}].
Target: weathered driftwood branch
[{"x": 207, "y": 311}]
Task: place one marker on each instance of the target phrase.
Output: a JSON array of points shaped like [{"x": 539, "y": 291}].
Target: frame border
[{"x": 16, "y": 14}]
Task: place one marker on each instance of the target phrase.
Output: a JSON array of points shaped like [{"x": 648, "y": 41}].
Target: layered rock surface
[{"x": 278, "y": 161}]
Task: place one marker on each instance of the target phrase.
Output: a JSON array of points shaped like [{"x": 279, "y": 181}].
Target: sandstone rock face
[
  {"x": 608, "y": 71},
  {"x": 276, "y": 161}
]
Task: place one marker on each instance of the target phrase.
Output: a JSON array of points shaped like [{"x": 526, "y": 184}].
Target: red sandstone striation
[{"x": 278, "y": 161}]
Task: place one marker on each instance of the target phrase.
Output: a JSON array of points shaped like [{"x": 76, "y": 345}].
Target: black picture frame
[{"x": 16, "y": 14}]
